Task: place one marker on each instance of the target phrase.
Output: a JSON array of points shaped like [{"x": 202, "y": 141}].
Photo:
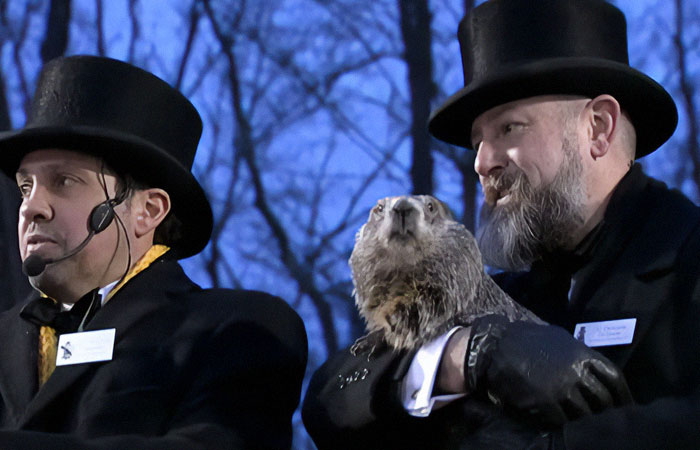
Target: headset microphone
[
  {"x": 35, "y": 264},
  {"x": 100, "y": 218}
]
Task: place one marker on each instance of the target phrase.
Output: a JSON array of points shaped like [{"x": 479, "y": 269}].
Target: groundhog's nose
[
  {"x": 402, "y": 220},
  {"x": 402, "y": 207}
]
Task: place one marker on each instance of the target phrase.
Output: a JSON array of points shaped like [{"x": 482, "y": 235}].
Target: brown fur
[{"x": 417, "y": 272}]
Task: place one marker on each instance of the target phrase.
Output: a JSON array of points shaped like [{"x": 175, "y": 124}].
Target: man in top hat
[
  {"x": 557, "y": 118},
  {"x": 118, "y": 348}
]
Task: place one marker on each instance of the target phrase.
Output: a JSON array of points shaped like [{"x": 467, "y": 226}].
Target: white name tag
[
  {"x": 609, "y": 332},
  {"x": 85, "y": 347}
]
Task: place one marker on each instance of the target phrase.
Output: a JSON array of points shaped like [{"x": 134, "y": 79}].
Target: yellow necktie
[{"x": 48, "y": 343}]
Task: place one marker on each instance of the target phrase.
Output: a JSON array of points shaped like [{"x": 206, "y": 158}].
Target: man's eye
[
  {"x": 64, "y": 181},
  {"x": 510, "y": 127},
  {"x": 25, "y": 189}
]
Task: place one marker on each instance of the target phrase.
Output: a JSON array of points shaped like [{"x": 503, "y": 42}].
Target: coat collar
[
  {"x": 643, "y": 230},
  {"x": 152, "y": 255},
  {"x": 644, "y": 211}
]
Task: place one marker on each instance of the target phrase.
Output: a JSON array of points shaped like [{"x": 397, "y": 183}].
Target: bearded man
[
  {"x": 117, "y": 348},
  {"x": 588, "y": 242}
]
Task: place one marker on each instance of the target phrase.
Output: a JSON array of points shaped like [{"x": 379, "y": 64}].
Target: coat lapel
[
  {"x": 637, "y": 276},
  {"x": 141, "y": 297},
  {"x": 18, "y": 346}
]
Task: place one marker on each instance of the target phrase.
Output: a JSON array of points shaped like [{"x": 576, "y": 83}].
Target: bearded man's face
[{"x": 531, "y": 174}]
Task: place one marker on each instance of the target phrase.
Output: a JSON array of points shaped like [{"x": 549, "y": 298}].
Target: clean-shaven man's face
[{"x": 59, "y": 189}]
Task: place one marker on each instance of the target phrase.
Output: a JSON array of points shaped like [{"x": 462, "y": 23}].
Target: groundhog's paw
[{"x": 367, "y": 344}]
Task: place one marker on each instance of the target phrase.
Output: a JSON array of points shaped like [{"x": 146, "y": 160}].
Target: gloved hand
[{"x": 540, "y": 372}]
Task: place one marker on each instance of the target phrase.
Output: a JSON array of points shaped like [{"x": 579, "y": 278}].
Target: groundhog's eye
[
  {"x": 379, "y": 208},
  {"x": 431, "y": 207}
]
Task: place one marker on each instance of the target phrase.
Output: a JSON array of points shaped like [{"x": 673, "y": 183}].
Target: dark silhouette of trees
[
  {"x": 56, "y": 36},
  {"x": 688, "y": 90},
  {"x": 415, "y": 31}
]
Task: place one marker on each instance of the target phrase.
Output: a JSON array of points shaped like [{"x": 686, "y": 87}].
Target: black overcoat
[
  {"x": 191, "y": 369},
  {"x": 646, "y": 265}
]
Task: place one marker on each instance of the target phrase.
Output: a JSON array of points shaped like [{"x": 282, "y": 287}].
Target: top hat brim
[
  {"x": 650, "y": 107},
  {"x": 124, "y": 153}
]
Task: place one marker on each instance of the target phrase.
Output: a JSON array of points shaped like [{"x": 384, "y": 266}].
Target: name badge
[
  {"x": 609, "y": 332},
  {"x": 85, "y": 347}
]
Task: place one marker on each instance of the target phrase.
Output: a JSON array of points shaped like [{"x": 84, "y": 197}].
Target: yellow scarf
[{"x": 48, "y": 341}]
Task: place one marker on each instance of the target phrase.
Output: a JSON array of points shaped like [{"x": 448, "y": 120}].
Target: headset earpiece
[{"x": 101, "y": 216}]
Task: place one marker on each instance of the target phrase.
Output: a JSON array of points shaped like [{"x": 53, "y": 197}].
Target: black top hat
[
  {"x": 514, "y": 49},
  {"x": 137, "y": 122}
]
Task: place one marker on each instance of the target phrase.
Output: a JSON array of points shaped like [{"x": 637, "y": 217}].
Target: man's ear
[
  {"x": 150, "y": 209},
  {"x": 603, "y": 115}
]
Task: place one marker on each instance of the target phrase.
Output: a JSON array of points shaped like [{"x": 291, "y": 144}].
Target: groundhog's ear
[{"x": 445, "y": 209}]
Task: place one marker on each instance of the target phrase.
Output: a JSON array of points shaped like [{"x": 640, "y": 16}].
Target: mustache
[{"x": 498, "y": 186}]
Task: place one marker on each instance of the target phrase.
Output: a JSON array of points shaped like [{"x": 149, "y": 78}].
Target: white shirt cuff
[{"x": 417, "y": 386}]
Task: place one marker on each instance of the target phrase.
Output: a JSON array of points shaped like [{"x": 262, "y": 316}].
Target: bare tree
[
  {"x": 194, "y": 16},
  {"x": 56, "y": 36},
  {"x": 688, "y": 93},
  {"x": 99, "y": 25},
  {"x": 462, "y": 159},
  {"x": 415, "y": 29},
  {"x": 15, "y": 33},
  {"x": 135, "y": 30},
  {"x": 245, "y": 146}
]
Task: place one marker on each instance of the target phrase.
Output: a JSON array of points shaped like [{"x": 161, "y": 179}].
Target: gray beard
[{"x": 534, "y": 221}]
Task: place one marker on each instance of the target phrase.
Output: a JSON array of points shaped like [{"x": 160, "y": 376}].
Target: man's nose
[
  {"x": 489, "y": 159},
  {"x": 36, "y": 206}
]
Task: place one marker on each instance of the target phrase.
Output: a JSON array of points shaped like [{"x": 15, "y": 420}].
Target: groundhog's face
[
  {"x": 412, "y": 262},
  {"x": 404, "y": 227}
]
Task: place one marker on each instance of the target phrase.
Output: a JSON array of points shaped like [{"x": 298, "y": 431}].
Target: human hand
[{"x": 540, "y": 372}]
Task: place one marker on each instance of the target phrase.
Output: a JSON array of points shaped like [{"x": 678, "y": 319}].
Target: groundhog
[{"x": 417, "y": 272}]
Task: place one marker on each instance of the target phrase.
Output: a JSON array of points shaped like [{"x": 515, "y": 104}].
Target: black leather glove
[{"x": 540, "y": 372}]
